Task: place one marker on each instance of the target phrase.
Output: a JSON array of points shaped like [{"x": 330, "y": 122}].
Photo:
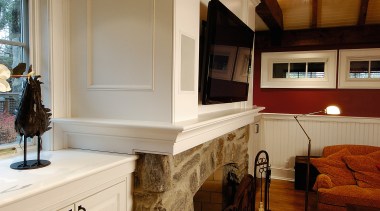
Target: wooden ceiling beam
[
  {"x": 363, "y": 12},
  {"x": 271, "y": 13},
  {"x": 314, "y": 14},
  {"x": 319, "y": 38}
]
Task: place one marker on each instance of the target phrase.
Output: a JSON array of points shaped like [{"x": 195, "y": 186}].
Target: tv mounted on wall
[{"x": 225, "y": 56}]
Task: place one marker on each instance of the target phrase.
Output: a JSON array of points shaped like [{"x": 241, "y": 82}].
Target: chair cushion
[
  {"x": 350, "y": 194},
  {"x": 322, "y": 181},
  {"x": 354, "y": 149},
  {"x": 334, "y": 166},
  {"x": 364, "y": 169}
]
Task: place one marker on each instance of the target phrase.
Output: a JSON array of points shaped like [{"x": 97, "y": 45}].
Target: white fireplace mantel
[{"x": 127, "y": 136}]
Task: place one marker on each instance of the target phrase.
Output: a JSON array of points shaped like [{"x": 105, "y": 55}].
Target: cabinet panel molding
[{"x": 114, "y": 51}]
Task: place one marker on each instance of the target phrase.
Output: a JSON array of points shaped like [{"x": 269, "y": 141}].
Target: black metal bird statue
[{"x": 32, "y": 119}]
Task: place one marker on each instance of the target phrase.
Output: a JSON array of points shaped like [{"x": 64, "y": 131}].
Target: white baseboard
[{"x": 282, "y": 174}]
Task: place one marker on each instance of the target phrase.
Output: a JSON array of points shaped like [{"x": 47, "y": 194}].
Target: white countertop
[{"x": 66, "y": 166}]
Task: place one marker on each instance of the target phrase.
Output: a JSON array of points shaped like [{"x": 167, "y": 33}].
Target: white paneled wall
[{"x": 283, "y": 139}]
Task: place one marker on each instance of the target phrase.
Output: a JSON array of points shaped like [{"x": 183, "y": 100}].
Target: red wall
[{"x": 352, "y": 102}]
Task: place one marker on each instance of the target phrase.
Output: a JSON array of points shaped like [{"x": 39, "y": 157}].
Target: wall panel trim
[{"x": 90, "y": 69}]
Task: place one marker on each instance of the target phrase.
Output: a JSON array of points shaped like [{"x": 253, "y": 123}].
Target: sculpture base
[{"x": 30, "y": 164}]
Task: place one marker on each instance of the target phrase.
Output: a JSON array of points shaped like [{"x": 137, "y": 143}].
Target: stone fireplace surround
[
  {"x": 166, "y": 182},
  {"x": 174, "y": 158}
]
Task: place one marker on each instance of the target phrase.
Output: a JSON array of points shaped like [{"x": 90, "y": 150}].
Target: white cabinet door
[{"x": 113, "y": 198}]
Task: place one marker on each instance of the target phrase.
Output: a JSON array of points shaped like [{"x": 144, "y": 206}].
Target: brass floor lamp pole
[
  {"x": 308, "y": 165},
  {"x": 329, "y": 110}
]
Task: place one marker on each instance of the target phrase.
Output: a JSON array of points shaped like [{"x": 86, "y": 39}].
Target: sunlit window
[{"x": 13, "y": 50}]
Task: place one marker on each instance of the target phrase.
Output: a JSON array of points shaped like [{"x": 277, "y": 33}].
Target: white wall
[
  {"x": 283, "y": 139},
  {"x": 138, "y": 60},
  {"x": 186, "y": 60},
  {"x": 121, "y": 59},
  {"x": 98, "y": 71}
]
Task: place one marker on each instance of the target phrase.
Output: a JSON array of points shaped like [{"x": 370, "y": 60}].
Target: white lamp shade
[{"x": 332, "y": 110}]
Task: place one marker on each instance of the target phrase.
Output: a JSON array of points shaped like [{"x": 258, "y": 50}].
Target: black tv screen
[{"x": 225, "y": 57}]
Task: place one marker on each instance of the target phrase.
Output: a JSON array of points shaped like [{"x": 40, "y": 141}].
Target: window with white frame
[
  {"x": 13, "y": 50},
  {"x": 359, "y": 69},
  {"x": 299, "y": 69}
]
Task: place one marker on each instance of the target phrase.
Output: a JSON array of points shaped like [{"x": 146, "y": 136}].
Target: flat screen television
[{"x": 225, "y": 57}]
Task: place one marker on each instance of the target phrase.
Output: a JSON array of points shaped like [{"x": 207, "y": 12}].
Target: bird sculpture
[{"x": 32, "y": 119}]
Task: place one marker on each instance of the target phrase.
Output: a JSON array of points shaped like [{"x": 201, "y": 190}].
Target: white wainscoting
[{"x": 283, "y": 139}]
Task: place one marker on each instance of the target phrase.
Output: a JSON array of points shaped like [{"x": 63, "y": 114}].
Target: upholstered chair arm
[{"x": 323, "y": 181}]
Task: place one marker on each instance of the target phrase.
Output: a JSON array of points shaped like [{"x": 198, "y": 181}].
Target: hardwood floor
[{"x": 283, "y": 197}]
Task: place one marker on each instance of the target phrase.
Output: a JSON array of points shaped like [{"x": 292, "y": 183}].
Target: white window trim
[
  {"x": 327, "y": 56},
  {"x": 49, "y": 43},
  {"x": 56, "y": 37},
  {"x": 347, "y": 55}
]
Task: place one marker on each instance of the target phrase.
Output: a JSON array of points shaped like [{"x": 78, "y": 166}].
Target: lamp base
[{"x": 30, "y": 164}]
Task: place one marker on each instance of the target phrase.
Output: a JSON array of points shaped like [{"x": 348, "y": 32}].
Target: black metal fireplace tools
[
  {"x": 245, "y": 195},
  {"x": 262, "y": 167}
]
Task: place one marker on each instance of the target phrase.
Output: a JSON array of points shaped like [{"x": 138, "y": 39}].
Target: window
[
  {"x": 359, "y": 69},
  {"x": 365, "y": 69},
  {"x": 299, "y": 70},
  {"x": 13, "y": 50},
  {"x": 309, "y": 69}
]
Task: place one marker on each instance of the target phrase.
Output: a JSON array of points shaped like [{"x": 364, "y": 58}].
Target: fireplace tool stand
[{"x": 262, "y": 167}]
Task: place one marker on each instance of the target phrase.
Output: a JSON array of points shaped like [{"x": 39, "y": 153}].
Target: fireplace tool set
[{"x": 262, "y": 167}]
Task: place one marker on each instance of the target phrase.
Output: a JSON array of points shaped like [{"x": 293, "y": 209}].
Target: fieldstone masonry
[{"x": 169, "y": 183}]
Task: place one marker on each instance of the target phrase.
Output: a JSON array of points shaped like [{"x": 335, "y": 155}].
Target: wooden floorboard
[{"x": 283, "y": 197}]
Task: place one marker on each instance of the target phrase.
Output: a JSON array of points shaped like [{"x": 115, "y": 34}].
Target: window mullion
[
  {"x": 25, "y": 30},
  {"x": 8, "y": 42}
]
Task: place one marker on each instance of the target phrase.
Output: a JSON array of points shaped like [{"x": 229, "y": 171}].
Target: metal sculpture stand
[
  {"x": 30, "y": 164},
  {"x": 263, "y": 167}
]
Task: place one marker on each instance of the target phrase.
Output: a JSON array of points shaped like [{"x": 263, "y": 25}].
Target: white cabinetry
[
  {"x": 93, "y": 180},
  {"x": 112, "y": 198},
  {"x": 68, "y": 208}
]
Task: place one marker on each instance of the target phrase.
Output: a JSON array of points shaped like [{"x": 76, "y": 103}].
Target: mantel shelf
[{"x": 128, "y": 136}]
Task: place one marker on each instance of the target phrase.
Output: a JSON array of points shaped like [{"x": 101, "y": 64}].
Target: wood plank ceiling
[{"x": 279, "y": 15}]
